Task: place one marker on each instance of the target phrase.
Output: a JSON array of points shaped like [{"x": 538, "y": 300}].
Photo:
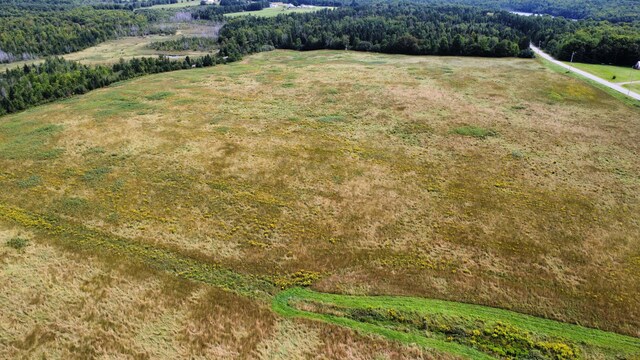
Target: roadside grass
[
  {"x": 607, "y": 72},
  {"x": 619, "y": 96},
  {"x": 281, "y": 306},
  {"x": 634, "y": 87}
]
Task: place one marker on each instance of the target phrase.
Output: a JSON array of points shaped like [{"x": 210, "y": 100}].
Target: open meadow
[
  {"x": 275, "y": 11},
  {"x": 495, "y": 182},
  {"x": 178, "y": 5}
]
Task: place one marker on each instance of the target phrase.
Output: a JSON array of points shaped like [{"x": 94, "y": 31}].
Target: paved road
[{"x": 606, "y": 83}]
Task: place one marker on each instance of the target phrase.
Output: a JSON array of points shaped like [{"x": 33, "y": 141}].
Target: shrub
[
  {"x": 299, "y": 278},
  {"x": 517, "y": 154},
  {"x": 96, "y": 174},
  {"x": 526, "y": 54},
  {"x": 18, "y": 243},
  {"x": 31, "y": 181}
]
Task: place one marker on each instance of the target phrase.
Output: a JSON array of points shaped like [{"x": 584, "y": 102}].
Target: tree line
[
  {"x": 26, "y": 34},
  {"x": 410, "y": 28},
  {"x": 215, "y": 12},
  {"x": 186, "y": 43},
  {"x": 611, "y": 10},
  {"x": 597, "y": 42},
  {"x": 56, "y": 78},
  {"x": 403, "y": 28}
]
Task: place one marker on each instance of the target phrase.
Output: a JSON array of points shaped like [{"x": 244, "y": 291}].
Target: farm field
[
  {"x": 272, "y": 12},
  {"x": 178, "y": 5},
  {"x": 607, "y": 72},
  {"x": 126, "y": 48},
  {"x": 495, "y": 182}
]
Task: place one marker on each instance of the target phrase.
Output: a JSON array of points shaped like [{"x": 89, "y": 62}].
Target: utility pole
[
  {"x": 572, "y": 54},
  {"x": 630, "y": 76}
]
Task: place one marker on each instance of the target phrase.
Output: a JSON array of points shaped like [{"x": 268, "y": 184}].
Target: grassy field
[
  {"x": 126, "y": 48},
  {"x": 607, "y": 72},
  {"x": 272, "y": 12},
  {"x": 57, "y": 304},
  {"x": 489, "y": 181},
  {"x": 178, "y": 5}
]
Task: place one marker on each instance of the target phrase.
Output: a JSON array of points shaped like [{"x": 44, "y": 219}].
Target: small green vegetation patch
[
  {"x": 331, "y": 118},
  {"x": 73, "y": 205},
  {"x": 474, "y": 131},
  {"x": 410, "y": 132},
  {"x": 28, "y": 140},
  {"x": 17, "y": 243},
  {"x": 299, "y": 278},
  {"x": 31, "y": 181},
  {"x": 159, "y": 95},
  {"x": 96, "y": 174}
]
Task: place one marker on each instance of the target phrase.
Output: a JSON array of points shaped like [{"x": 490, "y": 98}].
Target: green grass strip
[
  {"x": 575, "y": 333},
  {"x": 282, "y": 307},
  {"x": 560, "y": 70}
]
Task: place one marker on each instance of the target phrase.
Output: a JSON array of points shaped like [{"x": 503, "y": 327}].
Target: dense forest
[
  {"x": 36, "y": 28},
  {"x": 226, "y": 7},
  {"x": 26, "y": 34},
  {"x": 591, "y": 41},
  {"x": 390, "y": 28},
  {"x": 56, "y": 78},
  {"x": 186, "y": 43},
  {"x": 611, "y": 10},
  {"x": 412, "y": 28}
]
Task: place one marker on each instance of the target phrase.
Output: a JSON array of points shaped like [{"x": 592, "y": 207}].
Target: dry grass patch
[
  {"x": 58, "y": 305},
  {"x": 345, "y": 164}
]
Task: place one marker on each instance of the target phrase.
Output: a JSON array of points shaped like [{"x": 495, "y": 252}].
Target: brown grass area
[
  {"x": 56, "y": 305},
  {"x": 59, "y": 305},
  {"x": 349, "y": 164}
]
